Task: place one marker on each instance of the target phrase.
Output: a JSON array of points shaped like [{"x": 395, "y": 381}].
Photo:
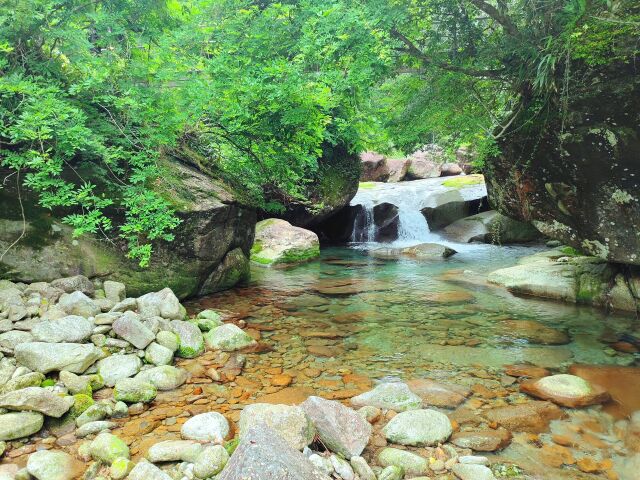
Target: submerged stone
[
  {"x": 566, "y": 390},
  {"x": 392, "y": 396},
  {"x": 418, "y": 428}
]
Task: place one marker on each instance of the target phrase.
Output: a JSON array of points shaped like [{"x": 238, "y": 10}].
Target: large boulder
[
  {"x": 461, "y": 199},
  {"x": 48, "y": 357},
  {"x": 279, "y": 242},
  {"x": 341, "y": 429},
  {"x": 491, "y": 227},
  {"x": 71, "y": 329},
  {"x": 426, "y": 163},
  {"x": 422, "y": 251},
  {"x": 264, "y": 455},
  {"x": 213, "y": 225},
  {"x": 564, "y": 275},
  {"x": 398, "y": 168},
  {"x": 573, "y": 171},
  {"x": 374, "y": 167}
]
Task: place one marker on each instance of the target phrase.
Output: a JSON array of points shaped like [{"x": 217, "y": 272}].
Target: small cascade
[
  {"x": 364, "y": 226},
  {"x": 383, "y": 207}
]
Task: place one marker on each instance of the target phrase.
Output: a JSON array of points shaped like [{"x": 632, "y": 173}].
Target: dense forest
[{"x": 94, "y": 94}]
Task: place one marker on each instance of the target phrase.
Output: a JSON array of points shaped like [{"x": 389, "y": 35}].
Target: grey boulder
[
  {"x": 71, "y": 329},
  {"x": 37, "y": 399},
  {"x": 48, "y": 357}
]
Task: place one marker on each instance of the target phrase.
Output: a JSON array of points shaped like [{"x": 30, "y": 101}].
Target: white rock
[{"x": 206, "y": 427}]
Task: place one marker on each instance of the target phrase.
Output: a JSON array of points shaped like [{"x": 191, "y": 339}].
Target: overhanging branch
[{"x": 504, "y": 20}]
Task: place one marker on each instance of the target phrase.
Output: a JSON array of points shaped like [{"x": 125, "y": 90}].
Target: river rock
[
  {"x": 114, "y": 291},
  {"x": 75, "y": 383},
  {"x": 532, "y": 417},
  {"x": 91, "y": 428},
  {"x": 210, "y": 461},
  {"x": 425, "y": 163},
  {"x": 533, "y": 332},
  {"x": 168, "y": 340},
  {"x": 69, "y": 329},
  {"x": 130, "y": 328},
  {"x": 374, "y": 167},
  {"x": 450, "y": 169},
  {"x": 391, "y": 473},
  {"x": 134, "y": 390},
  {"x": 263, "y": 454},
  {"x": 77, "y": 303},
  {"x": 397, "y": 169},
  {"x": 147, "y": 471},
  {"x": 435, "y": 394},
  {"x": 162, "y": 304},
  {"x": 32, "y": 379},
  {"x": 47, "y": 357},
  {"x": 411, "y": 463},
  {"x": 472, "y": 472},
  {"x": 164, "y": 377},
  {"x": 278, "y": 242},
  {"x": 341, "y": 429},
  {"x": 117, "y": 367},
  {"x": 362, "y": 468},
  {"x": 174, "y": 451},
  {"x": 491, "y": 227},
  {"x": 487, "y": 440},
  {"x": 290, "y": 422},
  {"x": 228, "y": 338},
  {"x": 190, "y": 338},
  {"x": 418, "y": 428},
  {"x": 206, "y": 427},
  {"x": 156, "y": 354},
  {"x": 391, "y": 396},
  {"x": 11, "y": 339},
  {"x": 37, "y": 399},
  {"x": 94, "y": 413},
  {"x": 53, "y": 465},
  {"x": 423, "y": 251},
  {"x": 76, "y": 283},
  {"x": 14, "y": 425},
  {"x": 106, "y": 447},
  {"x": 566, "y": 390}
]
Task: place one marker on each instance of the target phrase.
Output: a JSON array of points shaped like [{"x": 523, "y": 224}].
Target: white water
[{"x": 410, "y": 198}]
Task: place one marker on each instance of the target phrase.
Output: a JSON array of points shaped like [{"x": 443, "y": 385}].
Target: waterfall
[{"x": 409, "y": 199}]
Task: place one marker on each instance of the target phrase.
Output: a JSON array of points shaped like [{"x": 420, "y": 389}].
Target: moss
[
  {"x": 189, "y": 352},
  {"x": 300, "y": 255},
  {"x": 366, "y": 185},
  {"x": 463, "y": 181},
  {"x": 570, "y": 252},
  {"x": 82, "y": 402},
  {"x": 231, "y": 445},
  {"x": 48, "y": 382}
]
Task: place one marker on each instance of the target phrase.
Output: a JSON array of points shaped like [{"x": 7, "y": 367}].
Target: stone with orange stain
[
  {"x": 287, "y": 396},
  {"x": 556, "y": 455},
  {"x": 622, "y": 383},
  {"x": 273, "y": 370},
  {"x": 483, "y": 392},
  {"x": 563, "y": 440},
  {"x": 624, "y": 347},
  {"x": 566, "y": 390},
  {"x": 525, "y": 370},
  {"x": 281, "y": 380},
  {"x": 533, "y": 416},
  {"x": 588, "y": 465}
]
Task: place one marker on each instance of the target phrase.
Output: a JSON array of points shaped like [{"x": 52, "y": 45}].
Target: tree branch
[
  {"x": 414, "y": 51},
  {"x": 504, "y": 20}
]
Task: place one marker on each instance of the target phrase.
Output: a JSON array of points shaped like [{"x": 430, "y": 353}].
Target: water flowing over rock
[
  {"x": 279, "y": 242},
  {"x": 392, "y": 396},
  {"x": 400, "y": 211},
  {"x": 528, "y": 417},
  {"x": 264, "y": 455},
  {"x": 341, "y": 429},
  {"x": 418, "y": 428},
  {"x": 288, "y": 421},
  {"x": 48, "y": 357}
]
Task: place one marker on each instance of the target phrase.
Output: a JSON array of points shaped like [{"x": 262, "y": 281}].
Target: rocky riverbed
[{"x": 296, "y": 382}]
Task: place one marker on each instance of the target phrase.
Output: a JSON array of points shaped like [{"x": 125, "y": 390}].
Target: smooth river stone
[
  {"x": 48, "y": 357},
  {"x": 71, "y": 329},
  {"x": 37, "y": 399},
  {"x": 436, "y": 394},
  {"x": 533, "y": 332},
  {"x": 53, "y": 465},
  {"x": 418, "y": 428},
  {"x": 391, "y": 396},
  {"x": 14, "y": 425},
  {"x": 566, "y": 390}
]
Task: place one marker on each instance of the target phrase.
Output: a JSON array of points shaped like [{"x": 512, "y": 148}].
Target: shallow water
[
  {"x": 340, "y": 324},
  {"x": 390, "y": 316}
]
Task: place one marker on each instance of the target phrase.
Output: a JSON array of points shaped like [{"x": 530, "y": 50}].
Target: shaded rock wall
[
  {"x": 210, "y": 251},
  {"x": 577, "y": 179}
]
